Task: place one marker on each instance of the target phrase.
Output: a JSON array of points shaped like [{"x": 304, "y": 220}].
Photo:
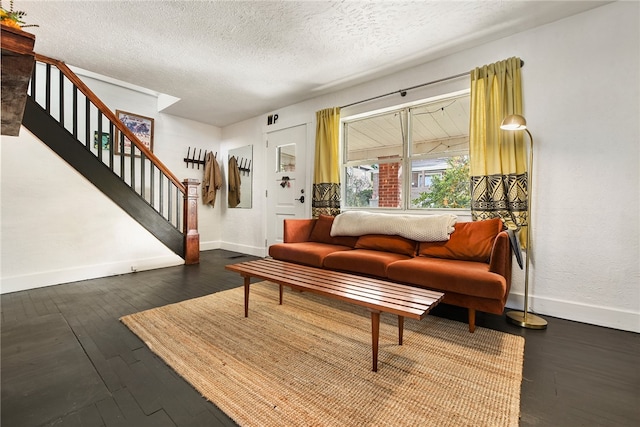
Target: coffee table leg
[
  {"x": 400, "y": 329},
  {"x": 281, "y": 294},
  {"x": 375, "y": 334},
  {"x": 247, "y": 281}
]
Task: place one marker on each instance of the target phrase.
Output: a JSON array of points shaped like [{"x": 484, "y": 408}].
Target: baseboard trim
[
  {"x": 68, "y": 275},
  {"x": 607, "y": 317},
  {"x": 210, "y": 245},
  {"x": 245, "y": 249}
]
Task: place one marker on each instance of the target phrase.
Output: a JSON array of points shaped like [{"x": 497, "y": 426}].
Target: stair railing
[{"x": 57, "y": 89}]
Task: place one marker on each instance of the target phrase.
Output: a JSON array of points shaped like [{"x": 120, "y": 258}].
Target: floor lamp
[{"x": 524, "y": 319}]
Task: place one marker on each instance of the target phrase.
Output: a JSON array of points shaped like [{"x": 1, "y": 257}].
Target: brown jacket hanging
[
  {"x": 234, "y": 183},
  {"x": 212, "y": 180}
]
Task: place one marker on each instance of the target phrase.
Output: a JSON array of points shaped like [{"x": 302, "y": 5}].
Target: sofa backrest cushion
[
  {"x": 383, "y": 242},
  {"x": 321, "y": 233},
  {"x": 471, "y": 241}
]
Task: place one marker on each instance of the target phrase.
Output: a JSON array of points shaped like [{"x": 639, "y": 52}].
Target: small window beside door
[{"x": 286, "y": 158}]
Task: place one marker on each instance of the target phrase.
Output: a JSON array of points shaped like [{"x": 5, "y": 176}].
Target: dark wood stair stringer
[{"x": 56, "y": 137}]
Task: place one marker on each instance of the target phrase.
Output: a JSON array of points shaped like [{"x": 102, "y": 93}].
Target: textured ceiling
[{"x": 231, "y": 60}]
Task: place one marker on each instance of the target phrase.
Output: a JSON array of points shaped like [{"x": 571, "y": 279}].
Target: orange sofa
[{"x": 472, "y": 268}]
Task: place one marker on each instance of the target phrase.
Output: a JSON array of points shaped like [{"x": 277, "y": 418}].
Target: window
[
  {"x": 286, "y": 158},
  {"x": 431, "y": 140}
]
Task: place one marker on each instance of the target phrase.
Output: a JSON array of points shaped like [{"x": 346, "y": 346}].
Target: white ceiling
[{"x": 232, "y": 60}]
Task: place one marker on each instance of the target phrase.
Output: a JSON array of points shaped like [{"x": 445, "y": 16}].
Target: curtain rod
[{"x": 403, "y": 92}]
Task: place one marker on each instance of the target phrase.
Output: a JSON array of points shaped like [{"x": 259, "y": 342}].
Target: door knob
[{"x": 301, "y": 199}]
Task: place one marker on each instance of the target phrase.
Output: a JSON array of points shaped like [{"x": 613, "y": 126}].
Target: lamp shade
[{"x": 514, "y": 122}]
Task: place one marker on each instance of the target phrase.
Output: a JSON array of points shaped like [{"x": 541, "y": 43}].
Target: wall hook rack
[
  {"x": 244, "y": 166},
  {"x": 191, "y": 159}
]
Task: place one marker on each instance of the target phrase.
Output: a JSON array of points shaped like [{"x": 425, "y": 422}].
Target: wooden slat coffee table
[{"x": 374, "y": 294}]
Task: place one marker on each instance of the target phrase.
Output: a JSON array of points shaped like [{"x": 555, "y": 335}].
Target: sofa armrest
[
  {"x": 298, "y": 230},
  {"x": 501, "y": 257}
]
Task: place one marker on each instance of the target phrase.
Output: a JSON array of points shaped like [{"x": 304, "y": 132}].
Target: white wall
[
  {"x": 243, "y": 229},
  {"x": 57, "y": 228},
  {"x": 581, "y": 100}
]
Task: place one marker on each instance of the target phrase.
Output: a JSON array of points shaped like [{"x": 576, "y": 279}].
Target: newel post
[{"x": 190, "y": 218}]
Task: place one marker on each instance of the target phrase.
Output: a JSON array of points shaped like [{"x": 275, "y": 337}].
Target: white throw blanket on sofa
[{"x": 422, "y": 228}]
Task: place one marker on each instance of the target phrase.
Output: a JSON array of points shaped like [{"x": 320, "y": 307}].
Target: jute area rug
[{"x": 308, "y": 362}]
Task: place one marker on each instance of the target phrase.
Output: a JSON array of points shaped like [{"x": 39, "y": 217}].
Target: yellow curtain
[
  {"x": 326, "y": 177},
  {"x": 498, "y": 158}
]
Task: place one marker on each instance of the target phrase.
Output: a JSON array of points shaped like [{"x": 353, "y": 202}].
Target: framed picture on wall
[
  {"x": 141, "y": 126},
  {"x": 105, "y": 142}
]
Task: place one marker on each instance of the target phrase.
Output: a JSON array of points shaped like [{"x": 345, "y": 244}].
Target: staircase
[{"x": 69, "y": 118}]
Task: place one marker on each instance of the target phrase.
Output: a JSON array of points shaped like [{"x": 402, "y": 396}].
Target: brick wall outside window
[{"x": 389, "y": 185}]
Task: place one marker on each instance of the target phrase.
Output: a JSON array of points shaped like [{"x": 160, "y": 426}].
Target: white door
[{"x": 287, "y": 196}]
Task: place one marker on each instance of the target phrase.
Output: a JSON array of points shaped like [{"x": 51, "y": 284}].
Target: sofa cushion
[
  {"x": 471, "y": 241},
  {"x": 381, "y": 242},
  {"x": 297, "y": 230},
  {"x": 363, "y": 261},
  {"x": 462, "y": 277},
  {"x": 307, "y": 253},
  {"x": 321, "y": 233}
]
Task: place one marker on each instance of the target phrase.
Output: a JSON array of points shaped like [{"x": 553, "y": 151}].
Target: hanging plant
[{"x": 13, "y": 18}]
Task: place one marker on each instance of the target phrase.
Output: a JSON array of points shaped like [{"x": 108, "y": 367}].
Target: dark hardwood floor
[{"x": 68, "y": 361}]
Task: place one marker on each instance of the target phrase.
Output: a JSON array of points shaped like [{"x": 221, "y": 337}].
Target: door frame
[{"x": 308, "y": 163}]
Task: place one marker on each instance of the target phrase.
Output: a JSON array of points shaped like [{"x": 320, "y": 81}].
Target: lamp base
[{"x": 526, "y": 320}]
